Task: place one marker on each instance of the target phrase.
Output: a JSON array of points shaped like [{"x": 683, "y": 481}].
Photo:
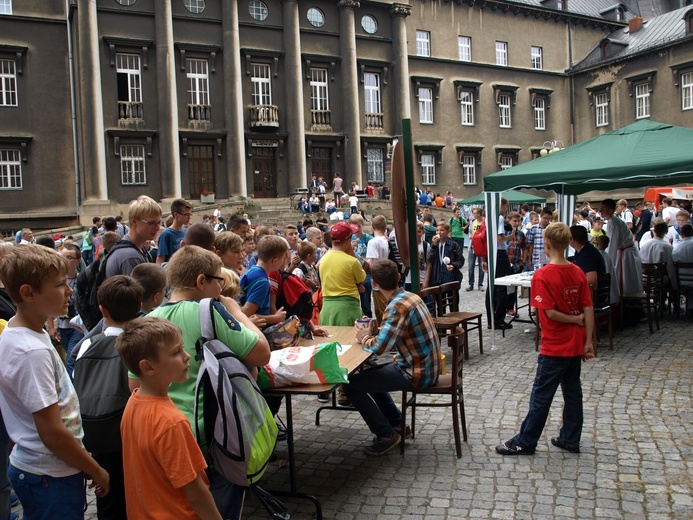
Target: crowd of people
[{"x": 148, "y": 301}]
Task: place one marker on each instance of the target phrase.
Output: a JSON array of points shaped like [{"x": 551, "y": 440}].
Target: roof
[
  {"x": 593, "y": 8},
  {"x": 656, "y": 32}
]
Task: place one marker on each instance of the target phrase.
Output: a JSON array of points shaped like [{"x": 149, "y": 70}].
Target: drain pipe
[{"x": 73, "y": 109}]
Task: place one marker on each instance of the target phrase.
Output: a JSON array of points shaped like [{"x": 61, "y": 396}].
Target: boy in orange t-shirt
[{"x": 163, "y": 465}]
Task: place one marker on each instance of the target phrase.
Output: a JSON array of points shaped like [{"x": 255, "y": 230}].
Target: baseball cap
[{"x": 342, "y": 231}]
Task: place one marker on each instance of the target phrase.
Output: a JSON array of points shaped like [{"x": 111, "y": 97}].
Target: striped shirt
[{"x": 408, "y": 326}]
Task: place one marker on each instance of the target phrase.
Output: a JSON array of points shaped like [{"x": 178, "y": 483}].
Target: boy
[
  {"x": 38, "y": 402},
  {"x": 248, "y": 250},
  {"x": 305, "y": 270},
  {"x": 291, "y": 235},
  {"x": 162, "y": 458},
  {"x": 562, "y": 297},
  {"x": 170, "y": 238},
  {"x": 353, "y": 203},
  {"x": 314, "y": 235},
  {"x": 229, "y": 247},
  {"x": 378, "y": 249},
  {"x": 120, "y": 301},
  {"x": 597, "y": 229},
  {"x": 152, "y": 278},
  {"x": 193, "y": 274},
  {"x": 255, "y": 284}
]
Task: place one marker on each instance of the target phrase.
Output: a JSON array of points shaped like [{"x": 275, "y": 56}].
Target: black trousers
[
  {"x": 502, "y": 301},
  {"x": 112, "y": 506}
]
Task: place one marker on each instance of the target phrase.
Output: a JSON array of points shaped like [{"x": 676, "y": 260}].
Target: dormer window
[
  {"x": 611, "y": 48},
  {"x": 559, "y": 5},
  {"x": 616, "y": 12},
  {"x": 688, "y": 17}
]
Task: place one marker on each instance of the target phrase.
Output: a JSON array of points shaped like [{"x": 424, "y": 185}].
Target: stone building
[{"x": 103, "y": 100}]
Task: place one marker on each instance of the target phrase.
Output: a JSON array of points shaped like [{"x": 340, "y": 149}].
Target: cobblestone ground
[{"x": 636, "y": 460}]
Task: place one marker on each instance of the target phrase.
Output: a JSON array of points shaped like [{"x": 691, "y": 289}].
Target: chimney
[{"x": 635, "y": 24}]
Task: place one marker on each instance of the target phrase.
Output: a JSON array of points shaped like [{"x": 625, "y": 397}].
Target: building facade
[{"x": 109, "y": 99}]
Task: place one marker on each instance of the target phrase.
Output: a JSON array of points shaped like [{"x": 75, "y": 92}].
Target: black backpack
[
  {"x": 101, "y": 383},
  {"x": 88, "y": 283}
]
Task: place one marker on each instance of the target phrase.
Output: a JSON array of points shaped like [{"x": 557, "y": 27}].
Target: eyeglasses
[
  {"x": 220, "y": 279},
  {"x": 152, "y": 223},
  {"x": 185, "y": 214}
]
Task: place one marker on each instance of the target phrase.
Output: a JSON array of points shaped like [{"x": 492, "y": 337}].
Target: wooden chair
[
  {"x": 450, "y": 297},
  {"x": 448, "y": 385},
  {"x": 651, "y": 297},
  {"x": 601, "y": 296},
  {"x": 684, "y": 275},
  {"x": 431, "y": 297}
]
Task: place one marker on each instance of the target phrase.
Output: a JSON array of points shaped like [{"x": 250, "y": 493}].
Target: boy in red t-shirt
[{"x": 562, "y": 297}]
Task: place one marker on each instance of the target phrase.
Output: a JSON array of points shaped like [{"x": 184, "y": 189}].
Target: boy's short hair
[
  {"x": 609, "y": 203},
  {"x": 379, "y": 223},
  {"x": 558, "y": 234},
  {"x": 143, "y": 206},
  {"x": 270, "y": 247},
  {"x": 533, "y": 214},
  {"x": 514, "y": 214},
  {"x": 94, "y": 220},
  {"x": 667, "y": 200},
  {"x": 188, "y": 263},
  {"x": 444, "y": 225},
  {"x": 312, "y": 232},
  {"x": 144, "y": 338},
  {"x": 547, "y": 211},
  {"x": 622, "y": 202},
  {"x": 46, "y": 241},
  {"x": 226, "y": 241},
  {"x": 178, "y": 205},
  {"x": 385, "y": 274},
  {"x": 110, "y": 224},
  {"x": 603, "y": 241},
  {"x": 121, "y": 296},
  {"x": 237, "y": 221},
  {"x": 152, "y": 278},
  {"x": 262, "y": 231},
  {"x": 579, "y": 234},
  {"x": 356, "y": 219},
  {"x": 232, "y": 285},
  {"x": 687, "y": 230},
  {"x": 683, "y": 213},
  {"x": 428, "y": 218},
  {"x": 248, "y": 238},
  {"x": 290, "y": 227},
  {"x": 305, "y": 248},
  {"x": 109, "y": 239},
  {"x": 29, "y": 264},
  {"x": 660, "y": 228},
  {"x": 200, "y": 235}
]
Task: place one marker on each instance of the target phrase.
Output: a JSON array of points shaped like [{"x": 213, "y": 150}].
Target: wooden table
[{"x": 352, "y": 360}]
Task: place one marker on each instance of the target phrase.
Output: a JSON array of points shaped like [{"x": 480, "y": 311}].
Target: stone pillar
[
  {"x": 167, "y": 101},
  {"x": 233, "y": 102},
  {"x": 293, "y": 88},
  {"x": 92, "y": 142},
  {"x": 350, "y": 93},
  {"x": 400, "y": 61}
]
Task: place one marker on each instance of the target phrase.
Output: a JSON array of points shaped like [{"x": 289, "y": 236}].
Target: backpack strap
[{"x": 207, "y": 331}]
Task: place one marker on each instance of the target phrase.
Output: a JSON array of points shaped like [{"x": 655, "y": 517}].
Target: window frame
[
  {"x": 8, "y": 5},
  {"x": 425, "y": 105},
  {"x": 539, "y": 112},
  {"x": 469, "y": 105},
  {"x": 8, "y": 83},
  {"x": 372, "y": 93},
  {"x": 133, "y": 160},
  {"x": 7, "y": 165},
  {"x": 198, "y": 82},
  {"x": 504, "y": 110},
  {"x": 464, "y": 47},
  {"x": 687, "y": 90},
  {"x": 195, "y": 6},
  {"x": 258, "y": 93},
  {"x": 428, "y": 169},
  {"x": 643, "y": 99},
  {"x": 423, "y": 43},
  {"x": 501, "y": 53},
  {"x": 374, "y": 163},
  {"x": 131, "y": 74},
  {"x": 315, "y": 17},
  {"x": 469, "y": 158},
  {"x": 316, "y": 86},
  {"x": 258, "y": 10},
  {"x": 601, "y": 107},
  {"x": 537, "y": 57},
  {"x": 369, "y": 24},
  {"x": 472, "y": 88}
]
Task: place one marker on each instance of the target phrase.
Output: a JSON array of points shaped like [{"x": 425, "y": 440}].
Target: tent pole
[{"x": 411, "y": 206}]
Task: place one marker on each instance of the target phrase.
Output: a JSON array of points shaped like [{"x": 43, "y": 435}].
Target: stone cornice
[{"x": 400, "y": 10}]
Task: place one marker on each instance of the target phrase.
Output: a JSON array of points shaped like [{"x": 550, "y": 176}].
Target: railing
[
  {"x": 374, "y": 121},
  {"x": 264, "y": 115},
  {"x": 199, "y": 112},
  {"x": 321, "y": 117},
  {"x": 130, "y": 110}
]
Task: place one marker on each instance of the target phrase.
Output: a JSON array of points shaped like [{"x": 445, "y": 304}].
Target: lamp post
[{"x": 550, "y": 147}]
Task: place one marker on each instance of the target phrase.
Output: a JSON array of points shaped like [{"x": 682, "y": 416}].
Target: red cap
[{"x": 342, "y": 231}]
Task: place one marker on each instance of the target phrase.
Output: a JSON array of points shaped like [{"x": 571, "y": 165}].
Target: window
[
  {"x": 316, "y": 17},
  {"x": 601, "y": 104},
  {"x": 258, "y": 10},
  {"x": 5, "y": 6},
  {"x": 371, "y": 88},
  {"x": 504, "y": 110},
  {"x": 687, "y": 91},
  {"x": 502, "y": 54},
  {"x": 121, "y": 2},
  {"x": 132, "y": 169},
  {"x": 376, "y": 165},
  {"x": 537, "y": 60},
  {"x": 369, "y": 24},
  {"x": 10, "y": 170},
  {"x": 129, "y": 86},
  {"x": 319, "y": 97},
  {"x": 464, "y": 48},
  {"x": 423, "y": 43},
  {"x": 506, "y": 162},
  {"x": 8, "y": 83},
  {"x": 425, "y": 105},
  {"x": 539, "y": 113},
  {"x": 642, "y": 100},
  {"x": 428, "y": 169},
  {"x": 261, "y": 83},
  {"x": 198, "y": 90},
  {"x": 467, "y": 107},
  {"x": 194, "y": 6},
  {"x": 469, "y": 168}
]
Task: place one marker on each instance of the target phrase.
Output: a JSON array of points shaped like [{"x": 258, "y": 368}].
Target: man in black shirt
[{"x": 587, "y": 257}]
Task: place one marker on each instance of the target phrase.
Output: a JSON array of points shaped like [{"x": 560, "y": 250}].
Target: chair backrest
[
  {"x": 431, "y": 297},
  {"x": 684, "y": 273},
  {"x": 653, "y": 277},
  {"x": 456, "y": 344},
  {"x": 450, "y": 296},
  {"x": 601, "y": 292}
]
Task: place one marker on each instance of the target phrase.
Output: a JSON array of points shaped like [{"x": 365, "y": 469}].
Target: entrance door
[
  {"x": 264, "y": 172},
  {"x": 321, "y": 164},
  {"x": 201, "y": 170}
]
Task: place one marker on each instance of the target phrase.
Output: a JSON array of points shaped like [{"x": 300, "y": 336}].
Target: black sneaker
[
  {"x": 382, "y": 445},
  {"x": 511, "y": 447},
  {"x": 323, "y": 398},
  {"x": 560, "y": 444}
]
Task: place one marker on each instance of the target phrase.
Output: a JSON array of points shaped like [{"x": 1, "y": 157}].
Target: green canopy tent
[
  {"x": 645, "y": 153},
  {"x": 513, "y": 196}
]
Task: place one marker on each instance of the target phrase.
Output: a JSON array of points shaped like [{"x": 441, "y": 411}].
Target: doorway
[
  {"x": 264, "y": 172},
  {"x": 201, "y": 170}
]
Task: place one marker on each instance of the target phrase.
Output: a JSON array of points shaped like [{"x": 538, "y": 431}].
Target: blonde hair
[
  {"x": 188, "y": 263},
  {"x": 305, "y": 248},
  {"x": 379, "y": 223},
  {"x": 270, "y": 247},
  {"x": 356, "y": 219},
  {"x": 232, "y": 285},
  {"x": 5, "y": 247},
  {"x": 142, "y": 207},
  {"x": 109, "y": 239},
  {"x": 312, "y": 232},
  {"x": 558, "y": 235},
  {"x": 226, "y": 241},
  {"x": 144, "y": 338},
  {"x": 30, "y": 264}
]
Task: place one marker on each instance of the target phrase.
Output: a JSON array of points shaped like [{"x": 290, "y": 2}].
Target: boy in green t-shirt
[{"x": 458, "y": 227}]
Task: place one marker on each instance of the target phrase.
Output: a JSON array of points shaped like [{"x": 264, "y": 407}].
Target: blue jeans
[
  {"x": 48, "y": 498},
  {"x": 365, "y": 297},
  {"x": 473, "y": 261},
  {"x": 368, "y": 392},
  {"x": 88, "y": 256},
  {"x": 228, "y": 497},
  {"x": 69, "y": 338},
  {"x": 553, "y": 371},
  {"x": 4, "y": 480}
]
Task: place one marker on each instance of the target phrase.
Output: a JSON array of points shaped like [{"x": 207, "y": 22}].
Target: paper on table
[{"x": 343, "y": 349}]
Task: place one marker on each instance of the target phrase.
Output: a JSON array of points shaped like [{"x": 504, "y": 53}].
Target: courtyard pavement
[{"x": 637, "y": 449}]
